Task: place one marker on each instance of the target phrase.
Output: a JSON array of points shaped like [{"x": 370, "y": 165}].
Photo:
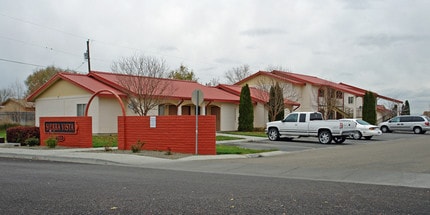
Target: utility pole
[{"x": 87, "y": 56}]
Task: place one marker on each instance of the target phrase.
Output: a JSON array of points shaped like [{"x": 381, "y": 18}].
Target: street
[
  {"x": 305, "y": 143},
  {"x": 43, "y": 187},
  {"x": 389, "y": 174}
]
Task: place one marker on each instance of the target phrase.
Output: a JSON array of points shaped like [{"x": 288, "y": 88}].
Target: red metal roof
[
  {"x": 271, "y": 75},
  {"x": 300, "y": 79},
  {"x": 83, "y": 81},
  {"x": 256, "y": 94},
  {"x": 181, "y": 89},
  {"x": 319, "y": 82}
]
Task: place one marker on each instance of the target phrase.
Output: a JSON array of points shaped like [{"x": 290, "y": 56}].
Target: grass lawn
[
  {"x": 224, "y": 138},
  {"x": 227, "y": 149},
  {"x": 247, "y": 133},
  {"x": 2, "y": 133},
  {"x": 102, "y": 141}
]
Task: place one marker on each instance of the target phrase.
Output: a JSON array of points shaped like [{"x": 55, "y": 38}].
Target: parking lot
[{"x": 307, "y": 143}]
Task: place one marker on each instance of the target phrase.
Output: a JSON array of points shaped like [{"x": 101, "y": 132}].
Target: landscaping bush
[
  {"x": 32, "y": 141},
  {"x": 21, "y": 133},
  {"x": 135, "y": 148},
  {"x": 51, "y": 142}
]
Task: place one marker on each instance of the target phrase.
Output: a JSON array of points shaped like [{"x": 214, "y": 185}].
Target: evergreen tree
[
  {"x": 246, "y": 110},
  {"x": 406, "y": 109},
  {"x": 369, "y": 108}
]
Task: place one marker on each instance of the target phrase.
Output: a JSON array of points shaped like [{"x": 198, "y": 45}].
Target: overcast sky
[{"x": 378, "y": 45}]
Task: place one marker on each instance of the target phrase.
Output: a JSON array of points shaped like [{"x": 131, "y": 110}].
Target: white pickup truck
[{"x": 310, "y": 124}]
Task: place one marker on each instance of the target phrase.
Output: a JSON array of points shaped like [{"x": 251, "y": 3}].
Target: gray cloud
[
  {"x": 372, "y": 44},
  {"x": 167, "y": 48},
  {"x": 257, "y": 32},
  {"x": 386, "y": 40}
]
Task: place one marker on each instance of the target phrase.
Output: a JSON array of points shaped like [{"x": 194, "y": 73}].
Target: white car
[{"x": 366, "y": 130}]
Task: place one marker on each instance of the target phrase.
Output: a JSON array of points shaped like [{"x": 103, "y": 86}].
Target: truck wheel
[
  {"x": 325, "y": 137},
  {"x": 339, "y": 140},
  {"x": 273, "y": 134}
]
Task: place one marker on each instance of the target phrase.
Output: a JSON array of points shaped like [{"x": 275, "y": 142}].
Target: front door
[{"x": 217, "y": 112}]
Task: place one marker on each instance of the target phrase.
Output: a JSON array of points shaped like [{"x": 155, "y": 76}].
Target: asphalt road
[
  {"x": 43, "y": 187},
  {"x": 306, "y": 143}
]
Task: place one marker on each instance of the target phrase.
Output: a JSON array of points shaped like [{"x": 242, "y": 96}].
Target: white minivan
[{"x": 417, "y": 124}]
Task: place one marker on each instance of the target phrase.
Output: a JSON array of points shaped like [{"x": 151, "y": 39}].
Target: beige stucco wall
[
  {"x": 61, "y": 106},
  {"x": 62, "y": 98},
  {"x": 63, "y": 88},
  {"x": 260, "y": 116},
  {"x": 229, "y": 117}
]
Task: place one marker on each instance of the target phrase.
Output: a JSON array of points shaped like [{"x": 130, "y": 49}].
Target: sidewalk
[{"x": 95, "y": 156}]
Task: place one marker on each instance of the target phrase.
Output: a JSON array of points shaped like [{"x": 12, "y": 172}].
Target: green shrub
[
  {"x": 32, "y": 141},
  {"x": 51, "y": 142}
]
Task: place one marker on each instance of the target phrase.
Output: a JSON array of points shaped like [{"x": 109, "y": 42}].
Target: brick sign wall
[
  {"x": 175, "y": 133},
  {"x": 69, "y": 131}
]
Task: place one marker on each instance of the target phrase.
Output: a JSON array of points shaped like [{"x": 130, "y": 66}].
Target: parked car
[
  {"x": 365, "y": 129},
  {"x": 417, "y": 124},
  {"x": 310, "y": 124}
]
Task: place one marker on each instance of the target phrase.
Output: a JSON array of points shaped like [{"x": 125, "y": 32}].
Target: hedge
[{"x": 21, "y": 133}]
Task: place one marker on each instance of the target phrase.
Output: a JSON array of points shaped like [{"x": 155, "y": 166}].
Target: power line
[
  {"x": 42, "y": 26},
  {"x": 102, "y": 42},
  {"x": 19, "y": 62},
  {"x": 40, "y": 46}
]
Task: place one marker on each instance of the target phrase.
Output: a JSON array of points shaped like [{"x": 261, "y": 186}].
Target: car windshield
[{"x": 362, "y": 122}]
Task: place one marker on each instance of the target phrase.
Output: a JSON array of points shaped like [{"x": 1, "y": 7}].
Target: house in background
[
  {"x": 260, "y": 99},
  {"x": 67, "y": 94},
  {"x": 334, "y": 100},
  {"x": 17, "y": 111}
]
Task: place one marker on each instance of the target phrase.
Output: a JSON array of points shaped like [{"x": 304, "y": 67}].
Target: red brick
[
  {"x": 81, "y": 139},
  {"x": 177, "y": 133}
]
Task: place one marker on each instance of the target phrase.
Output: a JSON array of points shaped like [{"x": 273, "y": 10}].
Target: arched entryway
[
  {"x": 122, "y": 141},
  {"x": 215, "y": 110},
  {"x": 167, "y": 110}
]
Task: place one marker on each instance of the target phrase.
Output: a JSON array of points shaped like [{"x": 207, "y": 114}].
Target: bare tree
[
  {"x": 213, "y": 82},
  {"x": 17, "y": 89},
  {"x": 278, "y": 68},
  {"x": 330, "y": 103},
  {"x": 276, "y": 103},
  {"x": 288, "y": 90},
  {"x": 5, "y": 94},
  {"x": 144, "y": 81},
  {"x": 236, "y": 74}
]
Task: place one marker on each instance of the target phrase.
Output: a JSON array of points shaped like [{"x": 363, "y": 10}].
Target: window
[
  {"x": 161, "y": 110},
  {"x": 315, "y": 116},
  {"x": 321, "y": 93},
  {"x": 351, "y": 100},
  {"x": 80, "y": 109},
  {"x": 302, "y": 117},
  {"x": 291, "y": 118},
  {"x": 339, "y": 94},
  {"x": 395, "y": 119}
]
